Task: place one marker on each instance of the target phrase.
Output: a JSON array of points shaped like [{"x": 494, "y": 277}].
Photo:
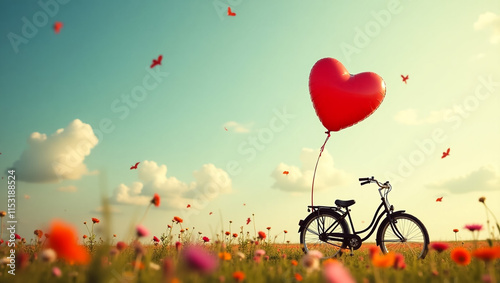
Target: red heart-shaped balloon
[{"x": 341, "y": 99}]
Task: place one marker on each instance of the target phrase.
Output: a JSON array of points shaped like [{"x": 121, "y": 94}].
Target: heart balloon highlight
[{"x": 341, "y": 99}]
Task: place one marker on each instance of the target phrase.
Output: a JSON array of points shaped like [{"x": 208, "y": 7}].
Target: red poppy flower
[
  {"x": 460, "y": 255},
  {"x": 235, "y": 235},
  {"x": 38, "y": 233},
  {"x": 228, "y": 233},
  {"x": 95, "y": 220},
  {"x": 85, "y": 236},
  {"x": 248, "y": 220},
  {"x": 268, "y": 228},
  {"x": 156, "y": 239},
  {"x": 238, "y": 276},
  {"x": 178, "y": 245},
  {"x": 206, "y": 239},
  {"x": 399, "y": 262},
  {"x": 63, "y": 241},
  {"x": 439, "y": 246},
  {"x": 156, "y": 200},
  {"x": 121, "y": 246},
  {"x": 262, "y": 235},
  {"x": 455, "y": 230},
  {"x": 178, "y": 219},
  {"x": 487, "y": 253},
  {"x": 298, "y": 277}
]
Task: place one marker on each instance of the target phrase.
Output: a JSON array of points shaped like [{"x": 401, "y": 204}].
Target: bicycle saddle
[{"x": 344, "y": 203}]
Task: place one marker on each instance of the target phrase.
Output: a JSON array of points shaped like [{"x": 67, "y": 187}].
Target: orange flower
[
  {"x": 156, "y": 200},
  {"x": 228, "y": 233},
  {"x": 3, "y": 213},
  {"x": 95, "y": 220},
  {"x": 460, "y": 255},
  {"x": 38, "y": 233},
  {"x": 455, "y": 230},
  {"x": 298, "y": 277},
  {"x": 225, "y": 256},
  {"x": 138, "y": 264},
  {"x": 294, "y": 262},
  {"x": 262, "y": 235},
  {"x": 384, "y": 261},
  {"x": 239, "y": 276},
  {"x": 178, "y": 219},
  {"x": 487, "y": 254},
  {"x": 63, "y": 241},
  {"x": 285, "y": 231},
  {"x": 85, "y": 236}
]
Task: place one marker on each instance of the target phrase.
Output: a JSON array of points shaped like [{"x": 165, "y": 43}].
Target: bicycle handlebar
[{"x": 372, "y": 179}]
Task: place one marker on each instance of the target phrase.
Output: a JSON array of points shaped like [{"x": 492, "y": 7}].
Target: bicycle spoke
[{"x": 413, "y": 239}]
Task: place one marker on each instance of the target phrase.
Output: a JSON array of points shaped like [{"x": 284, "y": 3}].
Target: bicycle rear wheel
[
  {"x": 415, "y": 237},
  {"x": 317, "y": 226}
]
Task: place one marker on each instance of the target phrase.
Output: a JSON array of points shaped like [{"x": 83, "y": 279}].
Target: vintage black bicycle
[{"x": 326, "y": 228}]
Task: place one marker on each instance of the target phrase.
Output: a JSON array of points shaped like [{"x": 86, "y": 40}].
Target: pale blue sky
[{"x": 243, "y": 69}]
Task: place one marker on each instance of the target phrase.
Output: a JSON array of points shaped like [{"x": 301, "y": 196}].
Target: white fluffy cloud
[
  {"x": 300, "y": 179},
  {"x": 209, "y": 182},
  {"x": 489, "y": 20},
  {"x": 411, "y": 117},
  {"x": 49, "y": 159},
  {"x": 485, "y": 178},
  {"x": 237, "y": 127}
]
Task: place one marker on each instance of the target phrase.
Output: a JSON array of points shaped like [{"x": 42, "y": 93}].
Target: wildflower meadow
[{"x": 59, "y": 254}]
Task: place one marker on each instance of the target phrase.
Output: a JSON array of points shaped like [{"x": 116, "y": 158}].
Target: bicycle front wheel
[
  {"x": 317, "y": 228},
  {"x": 406, "y": 235}
]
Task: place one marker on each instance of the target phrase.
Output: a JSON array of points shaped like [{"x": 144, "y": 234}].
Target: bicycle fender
[
  {"x": 303, "y": 222},
  {"x": 386, "y": 219}
]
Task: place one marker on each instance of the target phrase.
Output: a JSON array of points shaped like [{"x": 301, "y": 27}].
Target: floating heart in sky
[{"x": 341, "y": 99}]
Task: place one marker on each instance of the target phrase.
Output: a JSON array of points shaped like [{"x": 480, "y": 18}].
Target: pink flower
[
  {"x": 56, "y": 271},
  {"x": 315, "y": 254},
  {"x": 199, "y": 259},
  {"x": 260, "y": 252},
  {"x": 474, "y": 227},
  {"x": 335, "y": 272},
  {"x": 141, "y": 231},
  {"x": 439, "y": 246}
]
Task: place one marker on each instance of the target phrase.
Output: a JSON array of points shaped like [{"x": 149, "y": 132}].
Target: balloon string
[{"x": 316, "y": 167}]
